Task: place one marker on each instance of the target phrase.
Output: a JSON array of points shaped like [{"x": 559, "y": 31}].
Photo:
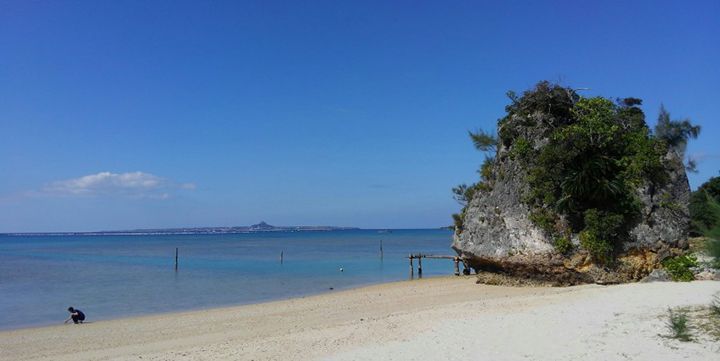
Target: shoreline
[
  {"x": 173, "y": 313},
  {"x": 336, "y": 289},
  {"x": 441, "y": 318}
]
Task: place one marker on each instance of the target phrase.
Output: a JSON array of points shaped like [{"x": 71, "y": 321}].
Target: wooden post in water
[
  {"x": 419, "y": 266},
  {"x": 281, "y": 257},
  {"x": 176, "y": 259},
  {"x": 412, "y": 269},
  {"x": 456, "y": 260}
]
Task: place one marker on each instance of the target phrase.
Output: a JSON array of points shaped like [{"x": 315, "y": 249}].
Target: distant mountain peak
[{"x": 261, "y": 226}]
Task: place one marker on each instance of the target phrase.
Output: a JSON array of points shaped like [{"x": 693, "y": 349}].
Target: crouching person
[{"x": 76, "y": 316}]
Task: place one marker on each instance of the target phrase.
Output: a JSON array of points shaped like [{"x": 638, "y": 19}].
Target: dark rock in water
[
  {"x": 497, "y": 234},
  {"x": 658, "y": 275}
]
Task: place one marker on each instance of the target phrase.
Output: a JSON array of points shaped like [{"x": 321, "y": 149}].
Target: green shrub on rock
[
  {"x": 602, "y": 230},
  {"x": 599, "y": 248},
  {"x": 544, "y": 218},
  {"x": 679, "y": 267},
  {"x": 563, "y": 245},
  {"x": 521, "y": 149},
  {"x": 458, "y": 221}
]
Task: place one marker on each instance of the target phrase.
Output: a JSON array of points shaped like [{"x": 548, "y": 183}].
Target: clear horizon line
[{"x": 170, "y": 229}]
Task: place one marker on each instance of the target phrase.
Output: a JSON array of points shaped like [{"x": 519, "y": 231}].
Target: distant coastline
[{"x": 260, "y": 227}]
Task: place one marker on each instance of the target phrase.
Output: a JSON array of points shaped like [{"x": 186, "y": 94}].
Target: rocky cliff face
[{"x": 498, "y": 236}]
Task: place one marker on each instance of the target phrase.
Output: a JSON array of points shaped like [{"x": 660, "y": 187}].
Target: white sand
[{"x": 433, "y": 319}]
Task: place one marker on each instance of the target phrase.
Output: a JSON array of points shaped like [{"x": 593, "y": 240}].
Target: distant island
[{"x": 260, "y": 227}]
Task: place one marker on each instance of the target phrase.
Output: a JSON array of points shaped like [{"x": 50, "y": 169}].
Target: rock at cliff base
[{"x": 658, "y": 275}]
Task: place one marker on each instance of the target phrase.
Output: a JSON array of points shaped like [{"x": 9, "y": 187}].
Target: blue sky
[{"x": 136, "y": 114}]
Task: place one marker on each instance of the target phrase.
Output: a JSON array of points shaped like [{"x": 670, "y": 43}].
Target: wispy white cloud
[{"x": 136, "y": 184}]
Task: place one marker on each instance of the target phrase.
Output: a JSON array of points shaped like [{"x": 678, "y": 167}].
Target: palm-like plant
[
  {"x": 594, "y": 180},
  {"x": 676, "y": 133},
  {"x": 483, "y": 141}
]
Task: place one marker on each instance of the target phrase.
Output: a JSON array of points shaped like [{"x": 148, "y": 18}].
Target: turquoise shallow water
[{"x": 118, "y": 276}]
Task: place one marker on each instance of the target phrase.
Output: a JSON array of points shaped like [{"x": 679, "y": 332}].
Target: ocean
[{"x": 113, "y": 276}]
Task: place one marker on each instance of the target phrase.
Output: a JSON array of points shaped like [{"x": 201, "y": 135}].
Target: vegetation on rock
[
  {"x": 679, "y": 267},
  {"x": 676, "y": 134},
  {"x": 585, "y": 159},
  {"x": 463, "y": 193}
]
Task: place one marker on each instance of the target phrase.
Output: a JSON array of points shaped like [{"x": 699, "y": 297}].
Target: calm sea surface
[{"x": 118, "y": 276}]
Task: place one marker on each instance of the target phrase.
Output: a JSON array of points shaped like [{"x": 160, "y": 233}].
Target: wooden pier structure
[{"x": 419, "y": 257}]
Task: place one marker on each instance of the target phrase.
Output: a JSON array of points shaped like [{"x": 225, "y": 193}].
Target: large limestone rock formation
[{"x": 498, "y": 236}]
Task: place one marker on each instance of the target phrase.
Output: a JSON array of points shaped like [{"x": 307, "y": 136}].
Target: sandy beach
[{"x": 431, "y": 319}]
